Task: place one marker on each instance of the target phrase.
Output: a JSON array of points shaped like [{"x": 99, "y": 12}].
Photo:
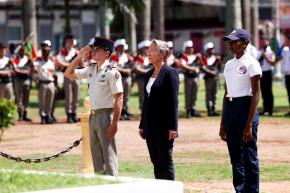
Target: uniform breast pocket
[{"x": 102, "y": 83}]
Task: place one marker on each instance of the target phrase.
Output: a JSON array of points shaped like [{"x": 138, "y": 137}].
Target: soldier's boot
[
  {"x": 48, "y": 120},
  {"x": 214, "y": 113},
  {"x": 128, "y": 114},
  {"x": 69, "y": 118},
  {"x": 20, "y": 116},
  {"x": 53, "y": 118},
  {"x": 43, "y": 119},
  {"x": 125, "y": 116},
  {"x": 188, "y": 113},
  {"x": 195, "y": 113},
  {"x": 25, "y": 118},
  {"x": 75, "y": 118}
]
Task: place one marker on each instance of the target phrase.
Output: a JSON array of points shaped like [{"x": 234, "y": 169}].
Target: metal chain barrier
[{"x": 45, "y": 159}]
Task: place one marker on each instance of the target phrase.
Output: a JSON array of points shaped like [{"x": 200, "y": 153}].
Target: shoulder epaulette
[
  {"x": 139, "y": 59},
  {"x": 64, "y": 52},
  {"x": 115, "y": 58},
  {"x": 184, "y": 57}
]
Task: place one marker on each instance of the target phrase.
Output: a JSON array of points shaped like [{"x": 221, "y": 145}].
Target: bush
[{"x": 7, "y": 111}]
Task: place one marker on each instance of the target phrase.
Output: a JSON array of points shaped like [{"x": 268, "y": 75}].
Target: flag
[{"x": 30, "y": 49}]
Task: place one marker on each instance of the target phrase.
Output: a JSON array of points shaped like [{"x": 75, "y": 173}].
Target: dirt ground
[{"x": 195, "y": 135}]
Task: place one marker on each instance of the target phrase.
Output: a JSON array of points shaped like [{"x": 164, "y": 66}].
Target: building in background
[{"x": 50, "y": 20}]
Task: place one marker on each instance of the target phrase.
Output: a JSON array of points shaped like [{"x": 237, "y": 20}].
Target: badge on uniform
[
  {"x": 242, "y": 70},
  {"x": 117, "y": 75}
]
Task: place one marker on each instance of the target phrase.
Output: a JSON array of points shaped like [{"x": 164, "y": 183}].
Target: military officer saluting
[
  {"x": 6, "y": 88},
  {"x": 45, "y": 68},
  {"x": 23, "y": 68},
  {"x": 121, "y": 60},
  {"x": 106, "y": 99}
]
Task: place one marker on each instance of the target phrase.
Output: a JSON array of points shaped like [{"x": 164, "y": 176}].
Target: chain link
[{"x": 39, "y": 160}]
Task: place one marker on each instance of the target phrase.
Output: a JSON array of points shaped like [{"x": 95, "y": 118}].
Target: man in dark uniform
[{"x": 23, "y": 69}]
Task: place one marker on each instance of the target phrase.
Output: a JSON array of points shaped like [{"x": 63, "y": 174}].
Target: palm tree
[
  {"x": 159, "y": 24},
  {"x": 246, "y": 13},
  {"x": 128, "y": 7},
  {"x": 29, "y": 20},
  {"x": 144, "y": 24},
  {"x": 233, "y": 15}
]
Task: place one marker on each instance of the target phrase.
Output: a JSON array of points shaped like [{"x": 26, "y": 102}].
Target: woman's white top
[
  {"x": 266, "y": 66},
  {"x": 238, "y": 73},
  {"x": 149, "y": 85}
]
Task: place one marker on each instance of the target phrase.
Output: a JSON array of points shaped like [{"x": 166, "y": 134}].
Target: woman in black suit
[{"x": 159, "y": 121}]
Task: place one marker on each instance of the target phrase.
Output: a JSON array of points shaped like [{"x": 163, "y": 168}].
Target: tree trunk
[
  {"x": 144, "y": 25},
  {"x": 67, "y": 27},
  {"x": 233, "y": 20},
  {"x": 255, "y": 23},
  {"x": 132, "y": 33},
  {"x": 246, "y": 14},
  {"x": 159, "y": 24},
  {"x": 29, "y": 20},
  {"x": 104, "y": 21},
  {"x": 233, "y": 15}
]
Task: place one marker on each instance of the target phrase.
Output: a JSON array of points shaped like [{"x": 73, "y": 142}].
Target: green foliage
[{"x": 7, "y": 110}]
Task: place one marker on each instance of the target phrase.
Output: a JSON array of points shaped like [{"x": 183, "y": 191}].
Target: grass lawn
[
  {"x": 11, "y": 182},
  {"x": 281, "y": 105},
  {"x": 213, "y": 165}
]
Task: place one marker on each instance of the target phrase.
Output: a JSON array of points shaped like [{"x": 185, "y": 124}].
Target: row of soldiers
[
  {"x": 17, "y": 73},
  {"x": 189, "y": 63}
]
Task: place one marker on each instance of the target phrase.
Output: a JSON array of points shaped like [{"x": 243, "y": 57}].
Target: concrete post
[{"x": 88, "y": 167}]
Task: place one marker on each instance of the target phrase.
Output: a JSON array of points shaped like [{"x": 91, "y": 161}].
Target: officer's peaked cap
[
  {"x": 104, "y": 43},
  {"x": 208, "y": 45},
  {"x": 187, "y": 44},
  {"x": 45, "y": 43},
  {"x": 120, "y": 42},
  {"x": 238, "y": 34},
  {"x": 145, "y": 43}
]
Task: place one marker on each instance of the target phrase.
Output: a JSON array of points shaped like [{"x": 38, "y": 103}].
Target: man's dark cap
[
  {"x": 2, "y": 46},
  {"x": 238, "y": 34},
  {"x": 104, "y": 43}
]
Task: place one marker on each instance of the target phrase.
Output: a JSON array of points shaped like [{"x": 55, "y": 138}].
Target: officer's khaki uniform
[
  {"x": 104, "y": 82},
  {"x": 46, "y": 91},
  {"x": 22, "y": 83},
  {"x": 6, "y": 87},
  {"x": 140, "y": 63},
  {"x": 71, "y": 87},
  {"x": 191, "y": 81}
]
